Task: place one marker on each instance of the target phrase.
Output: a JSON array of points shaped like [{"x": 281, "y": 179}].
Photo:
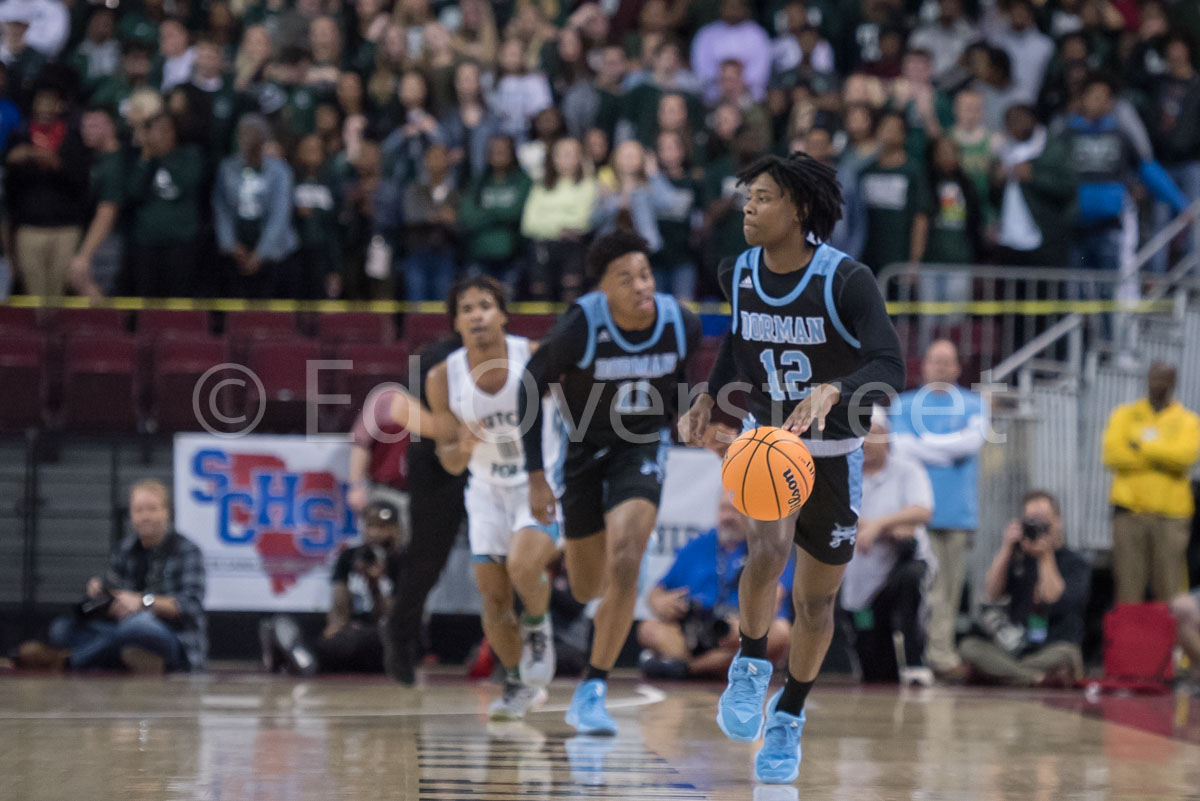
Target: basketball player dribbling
[
  {"x": 473, "y": 416},
  {"x": 809, "y": 330},
  {"x": 618, "y": 356}
]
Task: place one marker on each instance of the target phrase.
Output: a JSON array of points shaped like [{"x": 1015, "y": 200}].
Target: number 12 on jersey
[
  {"x": 633, "y": 397},
  {"x": 790, "y": 388}
]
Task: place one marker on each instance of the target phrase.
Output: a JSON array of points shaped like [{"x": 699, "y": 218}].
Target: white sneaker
[
  {"x": 517, "y": 699},
  {"x": 920, "y": 676},
  {"x": 537, "y": 653}
]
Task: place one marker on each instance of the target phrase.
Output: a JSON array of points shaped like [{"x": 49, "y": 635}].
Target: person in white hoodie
[{"x": 1029, "y": 49}]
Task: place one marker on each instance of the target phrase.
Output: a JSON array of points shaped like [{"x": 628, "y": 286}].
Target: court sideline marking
[{"x": 645, "y": 696}]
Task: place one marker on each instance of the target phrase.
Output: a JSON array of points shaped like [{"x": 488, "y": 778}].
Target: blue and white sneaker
[
  {"x": 740, "y": 710},
  {"x": 778, "y": 761},
  {"x": 587, "y": 712},
  {"x": 587, "y": 756}
]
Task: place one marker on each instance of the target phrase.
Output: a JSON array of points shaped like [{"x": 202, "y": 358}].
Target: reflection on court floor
[{"x": 253, "y": 738}]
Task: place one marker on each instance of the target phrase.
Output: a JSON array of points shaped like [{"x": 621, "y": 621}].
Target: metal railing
[{"x": 1003, "y": 317}]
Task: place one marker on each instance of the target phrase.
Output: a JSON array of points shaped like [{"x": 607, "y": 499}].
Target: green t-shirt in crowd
[
  {"x": 893, "y": 197},
  {"x": 949, "y": 234},
  {"x": 112, "y": 92},
  {"x": 108, "y": 178},
  {"x": 640, "y": 107},
  {"x": 720, "y": 181},
  {"x": 976, "y": 162},
  {"x": 608, "y": 111},
  {"x": 314, "y": 209},
  {"x": 490, "y": 216},
  {"x": 164, "y": 194},
  {"x": 675, "y": 222}
]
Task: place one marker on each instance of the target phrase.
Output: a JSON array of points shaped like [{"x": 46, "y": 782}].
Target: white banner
[
  {"x": 270, "y": 515},
  {"x": 688, "y": 508}
]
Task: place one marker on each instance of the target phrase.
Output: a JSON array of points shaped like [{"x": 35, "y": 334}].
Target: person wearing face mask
[{"x": 1032, "y": 638}]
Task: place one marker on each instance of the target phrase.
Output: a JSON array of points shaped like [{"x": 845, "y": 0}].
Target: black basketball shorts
[{"x": 596, "y": 480}]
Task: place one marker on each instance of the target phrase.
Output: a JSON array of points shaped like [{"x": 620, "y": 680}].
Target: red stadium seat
[
  {"x": 373, "y": 365},
  {"x": 153, "y": 323},
  {"x": 355, "y": 327},
  {"x": 99, "y": 392},
  {"x": 179, "y": 364},
  {"x": 533, "y": 326},
  {"x": 247, "y": 325},
  {"x": 69, "y": 322},
  {"x": 22, "y": 374},
  {"x": 282, "y": 367},
  {"x": 17, "y": 319},
  {"x": 422, "y": 328}
]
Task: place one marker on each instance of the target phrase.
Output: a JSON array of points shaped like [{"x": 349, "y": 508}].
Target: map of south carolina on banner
[{"x": 269, "y": 514}]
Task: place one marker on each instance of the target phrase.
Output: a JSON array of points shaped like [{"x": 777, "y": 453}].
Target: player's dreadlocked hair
[{"x": 811, "y": 185}]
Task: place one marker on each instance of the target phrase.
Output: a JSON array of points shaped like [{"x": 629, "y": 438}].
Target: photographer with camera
[
  {"x": 695, "y": 629},
  {"x": 361, "y": 585},
  {"x": 146, "y": 614},
  {"x": 1038, "y": 589}
]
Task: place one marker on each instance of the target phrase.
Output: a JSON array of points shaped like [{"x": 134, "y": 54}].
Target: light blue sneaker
[
  {"x": 587, "y": 756},
  {"x": 778, "y": 761},
  {"x": 740, "y": 710},
  {"x": 587, "y": 712}
]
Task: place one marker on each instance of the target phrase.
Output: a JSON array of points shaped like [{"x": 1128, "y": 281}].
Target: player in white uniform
[{"x": 473, "y": 415}]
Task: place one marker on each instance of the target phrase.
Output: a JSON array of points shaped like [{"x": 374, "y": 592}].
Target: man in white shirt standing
[
  {"x": 48, "y": 20},
  {"x": 884, "y": 587},
  {"x": 1029, "y": 49}
]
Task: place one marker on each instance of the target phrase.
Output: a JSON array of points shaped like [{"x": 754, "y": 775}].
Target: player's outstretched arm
[
  {"x": 454, "y": 440},
  {"x": 407, "y": 410}
]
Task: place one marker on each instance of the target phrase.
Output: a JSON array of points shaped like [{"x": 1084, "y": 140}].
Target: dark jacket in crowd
[{"x": 44, "y": 196}]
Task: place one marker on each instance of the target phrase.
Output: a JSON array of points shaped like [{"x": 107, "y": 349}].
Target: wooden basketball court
[{"x": 247, "y": 737}]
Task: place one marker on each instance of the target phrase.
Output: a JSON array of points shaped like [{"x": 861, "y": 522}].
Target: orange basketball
[{"x": 770, "y": 473}]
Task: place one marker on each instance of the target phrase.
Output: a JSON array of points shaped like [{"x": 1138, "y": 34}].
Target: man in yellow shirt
[{"x": 1151, "y": 445}]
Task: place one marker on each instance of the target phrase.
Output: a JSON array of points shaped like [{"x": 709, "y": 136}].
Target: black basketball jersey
[
  {"x": 613, "y": 386},
  {"x": 788, "y": 334}
]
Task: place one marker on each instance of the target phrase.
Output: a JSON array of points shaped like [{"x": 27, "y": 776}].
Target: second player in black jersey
[
  {"x": 618, "y": 359},
  {"x": 809, "y": 330}
]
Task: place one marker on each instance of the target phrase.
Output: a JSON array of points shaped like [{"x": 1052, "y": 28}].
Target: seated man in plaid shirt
[{"x": 146, "y": 614}]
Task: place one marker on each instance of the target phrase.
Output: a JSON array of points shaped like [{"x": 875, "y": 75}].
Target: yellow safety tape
[
  {"x": 980, "y": 308},
  {"x": 986, "y": 308}
]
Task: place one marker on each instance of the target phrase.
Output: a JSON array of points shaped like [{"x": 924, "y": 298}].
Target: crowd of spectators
[{"x": 374, "y": 149}]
